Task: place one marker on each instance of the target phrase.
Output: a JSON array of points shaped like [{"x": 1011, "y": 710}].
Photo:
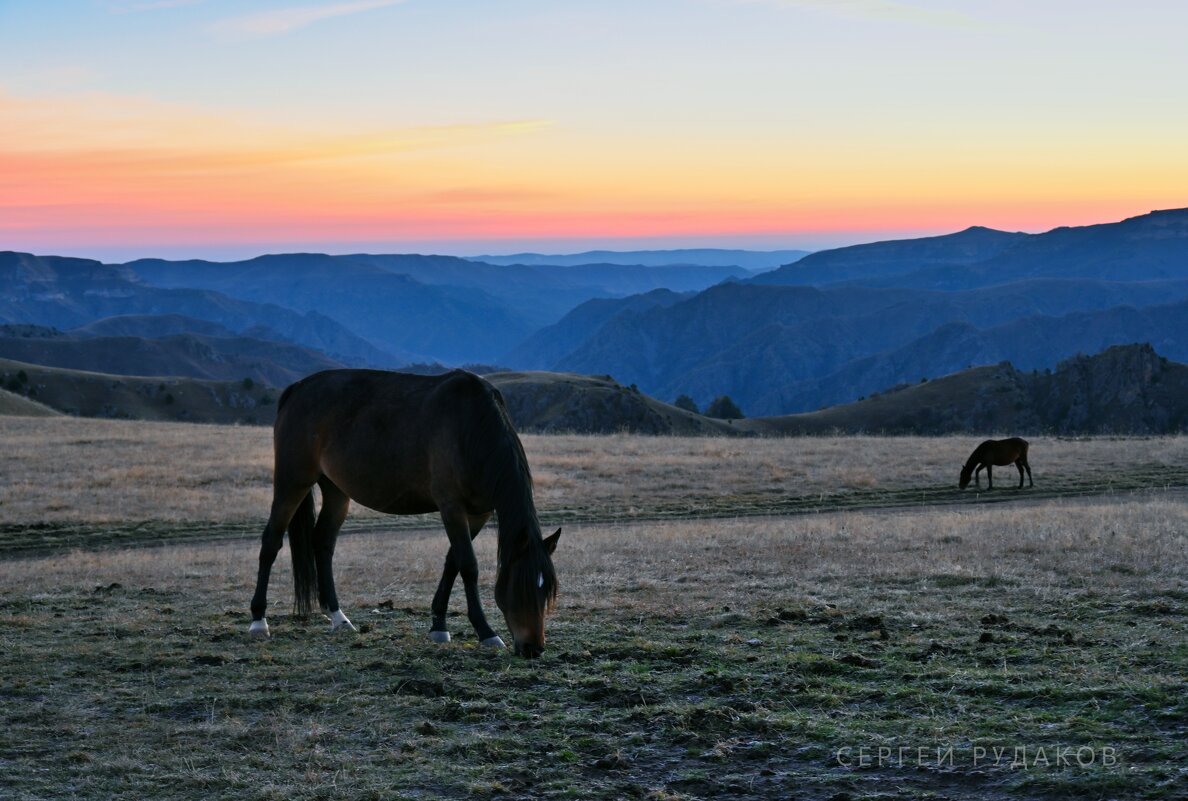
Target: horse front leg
[
  {"x": 989, "y": 477},
  {"x": 438, "y": 630},
  {"x": 457, "y": 526}
]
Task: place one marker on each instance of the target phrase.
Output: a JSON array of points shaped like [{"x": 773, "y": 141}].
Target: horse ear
[{"x": 550, "y": 543}]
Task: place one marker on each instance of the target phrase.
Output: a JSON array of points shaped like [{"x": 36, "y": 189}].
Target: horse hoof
[
  {"x": 258, "y": 630},
  {"x": 494, "y": 642},
  {"x": 439, "y": 636},
  {"x": 339, "y": 622}
]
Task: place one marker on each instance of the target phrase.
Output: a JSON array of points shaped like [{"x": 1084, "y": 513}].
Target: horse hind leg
[
  {"x": 285, "y": 504},
  {"x": 1026, "y": 465},
  {"x": 335, "y": 504},
  {"x": 1019, "y": 465}
]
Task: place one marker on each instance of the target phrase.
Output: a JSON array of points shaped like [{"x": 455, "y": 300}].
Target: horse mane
[{"x": 502, "y": 470}]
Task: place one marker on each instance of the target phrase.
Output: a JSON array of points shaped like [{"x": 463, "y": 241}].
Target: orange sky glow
[{"x": 106, "y": 164}]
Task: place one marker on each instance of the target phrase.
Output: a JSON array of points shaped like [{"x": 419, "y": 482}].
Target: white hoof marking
[
  {"x": 339, "y": 621},
  {"x": 258, "y": 630},
  {"x": 494, "y": 642},
  {"x": 439, "y": 636}
]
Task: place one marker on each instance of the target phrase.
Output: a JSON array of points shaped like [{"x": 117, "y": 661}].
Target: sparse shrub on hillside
[
  {"x": 723, "y": 408},
  {"x": 686, "y": 403},
  {"x": 248, "y": 383}
]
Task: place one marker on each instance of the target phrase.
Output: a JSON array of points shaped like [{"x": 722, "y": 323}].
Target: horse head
[
  {"x": 525, "y": 589},
  {"x": 966, "y": 475}
]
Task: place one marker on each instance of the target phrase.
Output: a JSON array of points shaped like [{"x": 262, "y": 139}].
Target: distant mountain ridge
[
  {"x": 881, "y": 260},
  {"x": 65, "y": 293},
  {"x": 749, "y": 260},
  {"x": 427, "y": 307},
  {"x": 778, "y": 348},
  {"x": 1148, "y": 247}
]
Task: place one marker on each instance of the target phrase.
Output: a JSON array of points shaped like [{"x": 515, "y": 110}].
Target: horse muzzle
[{"x": 529, "y": 650}]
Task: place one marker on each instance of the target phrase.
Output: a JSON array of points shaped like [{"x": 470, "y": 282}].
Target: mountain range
[
  {"x": 840, "y": 324},
  {"x": 817, "y": 330}
]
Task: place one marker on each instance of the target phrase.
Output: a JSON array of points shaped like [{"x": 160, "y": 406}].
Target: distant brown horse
[
  {"x": 408, "y": 444},
  {"x": 996, "y": 452}
]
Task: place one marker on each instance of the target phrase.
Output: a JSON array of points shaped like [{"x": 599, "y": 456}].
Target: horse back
[
  {"x": 389, "y": 440},
  {"x": 1002, "y": 451}
]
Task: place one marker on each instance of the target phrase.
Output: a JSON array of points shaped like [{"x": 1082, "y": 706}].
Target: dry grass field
[
  {"x": 738, "y": 618},
  {"x": 67, "y": 481}
]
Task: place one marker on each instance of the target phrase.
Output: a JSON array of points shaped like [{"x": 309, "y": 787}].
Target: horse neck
[{"x": 517, "y": 517}]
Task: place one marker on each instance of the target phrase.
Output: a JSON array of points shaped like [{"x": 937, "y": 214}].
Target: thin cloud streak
[{"x": 286, "y": 20}]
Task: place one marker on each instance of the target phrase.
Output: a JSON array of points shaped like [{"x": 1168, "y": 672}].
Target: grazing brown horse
[
  {"x": 408, "y": 444},
  {"x": 996, "y": 452}
]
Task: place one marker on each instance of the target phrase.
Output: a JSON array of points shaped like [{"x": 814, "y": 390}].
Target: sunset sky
[{"x": 225, "y": 129}]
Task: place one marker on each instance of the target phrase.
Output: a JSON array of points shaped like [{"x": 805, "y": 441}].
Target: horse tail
[{"x": 305, "y": 570}]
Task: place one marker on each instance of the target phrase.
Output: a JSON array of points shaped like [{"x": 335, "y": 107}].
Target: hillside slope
[
  {"x": 564, "y": 402},
  {"x": 88, "y": 394},
  {"x": 538, "y": 402},
  {"x": 222, "y": 358},
  {"x": 13, "y": 404},
  {"x": 1127, "y": 389}
]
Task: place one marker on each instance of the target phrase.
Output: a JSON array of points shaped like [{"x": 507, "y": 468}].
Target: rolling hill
[
  {"x": 222, "y": 358},
  {"x": 1126, "y": 389},
  {"x": 88, "y": 394},
  {"x": 537, "y": 402},
  {"x": 12, "y": 404}
]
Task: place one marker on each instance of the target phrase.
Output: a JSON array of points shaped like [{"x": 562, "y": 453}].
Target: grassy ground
[{"x": 745, "y": 656}]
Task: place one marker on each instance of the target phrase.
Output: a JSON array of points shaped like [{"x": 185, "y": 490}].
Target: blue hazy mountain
[
  {"x": 444, "y": 308},
  {"x": 1149, "y": 247},
  {"x": 67, "y": 293},
  {"x": 829, "y": 327},
  {"x": 844, "y": 323}
]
